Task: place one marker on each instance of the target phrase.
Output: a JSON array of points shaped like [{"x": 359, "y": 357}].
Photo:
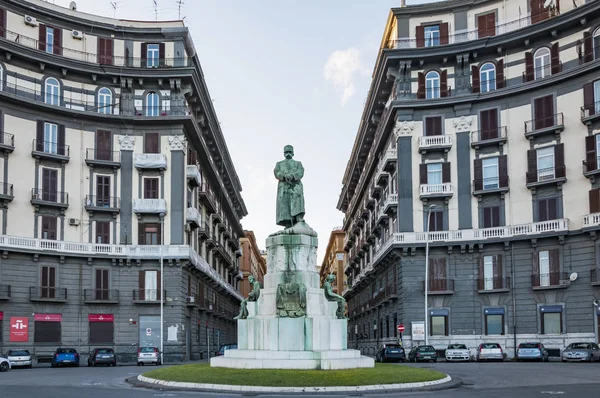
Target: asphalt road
[{"x": 490, "y": 380}]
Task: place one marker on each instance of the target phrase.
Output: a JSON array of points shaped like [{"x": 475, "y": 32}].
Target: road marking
[
  {"x": 164, "y": 395},
  {"x": 552, "y": 392}
]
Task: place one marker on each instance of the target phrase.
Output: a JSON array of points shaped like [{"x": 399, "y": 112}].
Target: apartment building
[
  {"x": 111, "y": 152},
  {"x": 334, "y": 260},
  {"x": 251, "y": 262},
  {"x": 473, "y": 108}
]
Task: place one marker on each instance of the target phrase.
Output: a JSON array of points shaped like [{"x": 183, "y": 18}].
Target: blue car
[
  {"x": 65, "y": 356},
  {"x": 532, "y": 351}
]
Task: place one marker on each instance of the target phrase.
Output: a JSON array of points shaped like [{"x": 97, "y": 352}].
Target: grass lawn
[{"x": 380, "y": 374}]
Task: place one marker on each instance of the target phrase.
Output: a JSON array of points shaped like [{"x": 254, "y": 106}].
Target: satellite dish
[
  {"x": 573, "y": 277},
  {"x": 73, "y": 6}
]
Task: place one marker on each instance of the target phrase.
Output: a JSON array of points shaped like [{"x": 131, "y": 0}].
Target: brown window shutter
[
  {"x": 529, "y": 71},
  {"x": 144, "y": 54},
  {"x": 542, "y": 210},
  {"x": 500, "y": 268},
  {"x": 500, "y": 82},
  {"x": 588, "y": 47},
  {"x": 588, "y": 99},
  {"x": 60, "y": 142},
  {"x": 428, "y": 126},
  {"x": 491, "y": 24},
  {"x": 109, "y": 51},
  {"x": 52, "y": 277},
  {"x": 158, "y": 286},
  {"x": 141, "y": 234},
  {"x": 423, "y": 173},
  {"x": 151, "y": 143},
  {"x": 421, "y": 86},
  {"x": 444, "y": 83},
  {"x": 536, "y": 268},
  {"x": 591, "y": 161},
  {"x": 531, "y": 165},
  {"x": 554, "y": 59},
  {"x": 475, "y": 74},
  {"x": 159, "y": 233},
  {"x": 161, "y": 54},
  {"x": 438, "y": 130},
  {"x": 444, "y": 33},
  {"x": 446, "y": 172},
  {"x": 39, "y": 136},
  {"x": 57, "y": 45},
  {"x": 495, "y": 216},
  {"x": 554, "y": 257},
  {"x": 420, "y": 36},
  {"x": 478, "y": 174},
  {"x": 482, "y": 26},
  {"x": 42, "y": 37},
  {"x": 142, "y": 285},
  {"x": 552, "y": 208},
  {"x": 503, "y": 171},
  {"x": 496, "y": 272},
  {"x": 481, "y": 275},
  {"x": 594, "y": 195},
  {"x": 2, "y": 23},
  {"x": 559, "y": 160}
]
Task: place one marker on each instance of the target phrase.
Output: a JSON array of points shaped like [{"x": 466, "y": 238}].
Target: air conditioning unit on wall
[
  {"x": 73, "y": 221},
  {"x": 77, "y": 34},
  {"x": 31, "y": 21},
  {"x": 190, "y": 299}
]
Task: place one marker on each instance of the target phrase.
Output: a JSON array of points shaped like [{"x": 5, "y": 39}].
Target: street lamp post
[
  {"x": 160, "y": 292},
  {"x": 431, "y": 207}
]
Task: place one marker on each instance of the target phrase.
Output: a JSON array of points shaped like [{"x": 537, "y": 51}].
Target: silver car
[
  {"x": 588, "y": 352},
  {"x": 4, "y": 363},
  {"x": 489, "y": 352},
  {"x": 148, "y": 355},
  {"x": 18, "y": 357}
]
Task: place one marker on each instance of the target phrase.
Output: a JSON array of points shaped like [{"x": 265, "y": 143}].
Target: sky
[{"x": 280, "y": 72}]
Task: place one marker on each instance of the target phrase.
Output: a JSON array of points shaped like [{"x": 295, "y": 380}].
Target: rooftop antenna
[
  {"x": 179, "y": 4},
  {"x": 155, "y": 9},
  {"x": 114, "y": 6}
]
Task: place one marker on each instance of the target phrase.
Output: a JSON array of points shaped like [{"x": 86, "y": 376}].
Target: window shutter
[
  {"x": 588, "y": 49},
  {"x": 2, "y": 23},
  {"x": 594, "y": 200},
  {"x": 498, "y": 272},
  {"x": 503, "y": 171},
  {"x": 423, "y": 173},
  {"x": 475, "y": 74},
  {"x": 446, "y": 172},
  {"x": 536, "y": 267},
  {"x": 437, "y": 123},
  {"x": 42, "y": 37},
  {"x": 421, "y": 86},
  {"x": 531, "y": 165},
  {"x": 444, "y": 83},
  {"x": 590, "y": 153},
  {"x": 142, "y": 285},
  {"x": 491, "y": 24},
  {"x": 428, "y": 126},
  {"x": 420, "y": 36},
  {"x": 161, "y": 54},
  {"x": 552, "y": 208},
  {"x": 141, "y": 234},
  {"x": 57, "y": 45},
  {"x": 151, "y": 143},
  {"x": 158, "y": 286},
  {"x": 554, "y": 257},
  {"x": 144, "y": 59},
  {"x": 39, "y": 136},
  {"x": 61, "y": 140},
  {"x": 538, "y": 12},
  {"x": 481, "y": 275},
  {"x": 159, "y": 233},
  {"x": 529, "y": 72},
  {"x": 482, "y": 26},
  {"x": 559, "y": 160},
  {"x": 554, "y": 58},
  {"x": 478, "y": 174},
  {"x": 495, "y": 216},
  {"x": 542, "y": 210},
  {"x": 52, "y": 277},
  {"x": 500, "y": 82},
  {"x": 109, "y": 51},
  {"x": 588, "y": 99},
  {"x": 444, "y": 36}
]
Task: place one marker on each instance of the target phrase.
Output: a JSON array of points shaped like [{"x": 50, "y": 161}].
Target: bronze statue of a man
[
  {"x": 331, "y": 296},
  {"x": 252, "y": 296},
  {"x": 290, "y": 192}
]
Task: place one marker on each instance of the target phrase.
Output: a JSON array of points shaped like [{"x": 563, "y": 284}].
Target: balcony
[
  {"x": 150, "y": 206},
  {"x": 203, "y": 230},
  {"x": 497, "y": 284},
  {"x": 150, "y": 161},
  {"x": 102, "y": 158},
  {"x": 101, "y": 296},
  {"x": 148, "y": 296},
  {"x": 390, "y": 205},
  {"x": 484, "y": 138},
  {"x": 548, "y": 176},
  {"x": 382, "y": 177},
  {"x": 48, "y": 294},
  {"x": 211, "y": 241},
  {"x": 484, "y": 186},
  {"x": 102, "y": 204},
  {"x": 591, "y": 112},
  {"x": 595, "y": 277},
  {"x": 161, "y": 111},
  {"x": 436, "y": 190},
  {"x": 435, "y": 143},
  {"x": 50, "y": 151},
  {"x": 390, "y": 157},
  {"x": 550, "y": 280},
  {"x": 6, "y": 192},
  {"x": 590, "y": 168},
  {"x": 375, "y": 191},
  {"x": 205, "y": 304},
  {"x": 591, "y": 220},
  {"x": 193, "y": 175},
  {"x": 7, "y": 142},
  {"x": 5, "y": 292},
  {"x": 57, "y": 199},
  {"x": 550, "y": 124},
  {"x": 439, "y": 286},
  {"x": 206, "y": 197},
  {"x": 192, "y": 217}
]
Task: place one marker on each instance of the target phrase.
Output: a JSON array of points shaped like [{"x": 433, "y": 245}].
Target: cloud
[{"x": 340, "y": 69}]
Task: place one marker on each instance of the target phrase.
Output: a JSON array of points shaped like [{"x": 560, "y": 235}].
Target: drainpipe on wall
[
  {"x": 80, "y": 303},
  {"x": 514, "y": 296}
]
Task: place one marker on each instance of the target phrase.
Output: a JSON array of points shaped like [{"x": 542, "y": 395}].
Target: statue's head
[
  {"x": 251, "y": 279},
  {"x": 330, "y": 278},
  {"x": 288, "y": 151}
]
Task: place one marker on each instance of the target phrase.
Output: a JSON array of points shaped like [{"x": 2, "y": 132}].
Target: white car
[
  {"x": 458, "y": 352},
  {"x": 19, "y": 357},
  {"x": 4, "y": 364}
]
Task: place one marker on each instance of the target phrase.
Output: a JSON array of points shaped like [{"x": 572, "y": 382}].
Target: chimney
[{"x": 402, "y": 3}]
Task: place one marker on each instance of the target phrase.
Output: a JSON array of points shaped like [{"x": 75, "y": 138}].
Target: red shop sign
[
  {"x": 47, "y": 317},
  {"x": 101, "y": 318},
  {"x": 1, "y": 315},
  {"x": 19, "y": 329}
]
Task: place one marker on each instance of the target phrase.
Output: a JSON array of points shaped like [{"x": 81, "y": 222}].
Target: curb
[{"x": 442, "y": 384}]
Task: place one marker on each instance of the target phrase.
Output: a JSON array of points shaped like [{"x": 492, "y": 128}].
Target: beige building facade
[
  {"x": 252, "y": 262},
  {"x": 334, "y": 260}
]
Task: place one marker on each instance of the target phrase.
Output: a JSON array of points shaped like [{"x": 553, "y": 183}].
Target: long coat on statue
[{"x": 290, "y": 195}]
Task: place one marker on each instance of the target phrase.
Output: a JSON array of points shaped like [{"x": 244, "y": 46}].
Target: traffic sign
[{"x": 401, "y": 328}]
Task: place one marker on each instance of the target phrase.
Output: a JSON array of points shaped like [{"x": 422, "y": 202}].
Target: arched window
[
  {"x": 152, "y": 104},
  {"x": 487, "y": 77},
  {"x": 432, "y": 85},
  {"x": 541, "y": 63},
  {"x": 596, "y": 43},
  {"x": 52, "y": 91},
  {"x": 105, "y": 101}
]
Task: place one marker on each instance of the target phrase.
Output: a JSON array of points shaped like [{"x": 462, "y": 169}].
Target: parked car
[
  {"x": 490, "y": 351},
  {"x": 65, "y": 356},
  {"x": 148, "y": 355},
  {"x": 458, "y": 352},
  {"x": 581, "y": 352},
  {"x": 391, "y": 352},
  {"x": 102, "y": 356},
  {"x": 532, "y": 351},
  {"x": 226, "y": 347},
  {"x": 423, "y": 353},
  {"x": 18, "y": 357},
  {"x": 4, "y": 363}
]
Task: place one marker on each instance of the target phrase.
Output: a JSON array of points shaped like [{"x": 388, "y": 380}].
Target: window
[
  {"x": 432, "y": 85},
  {"x": 542, "y": 64},
  {"x": 436, "y": 221},
  {"x": 491, "y": 276},
  {"x": 151, "y": 141},
  {"x": 103, "y": 232},
  {"x": 102, "y": 284},
  {"x": 50, "y": 185},
  {"x": 105, "y": 51},
  {"x": 432, "y": 35},
  {"x": 102, "y": 191},
  {"x": 548, "y": 268},
  {"x": 149, "y": 284},
  {"x": 488, "y": 77},
  {"x": 547, "y": 209},
  {"x": 48, "y": 282},
  {"x": 489, "y": 124},
  {"x": 152, "y": 104},
  {"x": 488, "y": 272},
  {"x": 52, "y": 90},
  {"x": 494, "y": 321},
  {"x": 101, "y": 330},
  {"x": 490, "y": 173},
  {"x": 103, "y": 141},
  {"x": 486, "y": 25},
  {"x": 49, "y": 40},
  {"x": 545, "y": 163},
  {"x": 433, "y": 126},
  {"x": 543, "y": 112},
  {"x": 438, "y": 325},
  {"x": 491, "y": 216},
  {"x": 434, "y": 173},
  {"x": 151, "y": 188},
  {"x": 597, "y": 139},
  {"x": 438, "y": 280},
  {"x": 149, "y": 233},
  {"x": 153, "y": 55},
  {"x": 50, "y": 138},
  {"x": 551, "y": 319},
  {"x": 596, "y": 43},
  {"x": 105, "y": 101},
  {"x": 49, "y": 227},
  {"x": 47, "y": 328}
]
